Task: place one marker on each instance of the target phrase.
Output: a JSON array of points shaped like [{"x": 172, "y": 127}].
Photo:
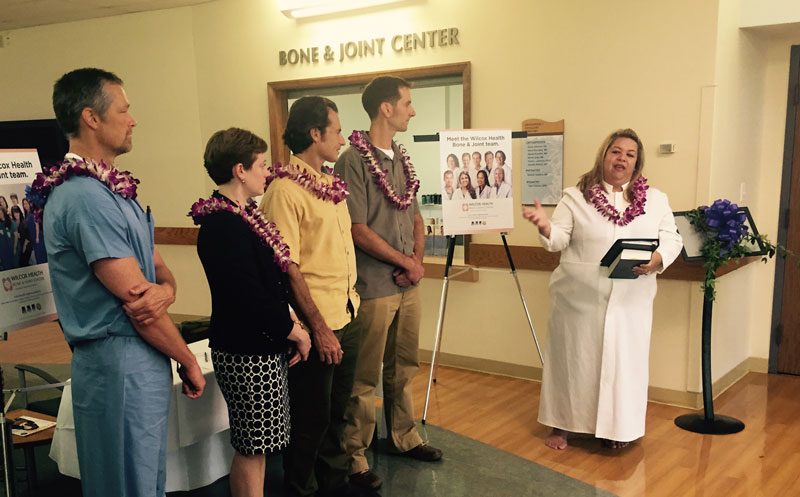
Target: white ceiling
[{"x": 15, "y": 14}]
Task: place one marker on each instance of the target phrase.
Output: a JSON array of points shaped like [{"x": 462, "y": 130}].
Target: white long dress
[{"x": 597, "y": 356}]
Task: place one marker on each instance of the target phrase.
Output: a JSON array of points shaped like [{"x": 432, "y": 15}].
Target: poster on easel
[
  {"x": 26, "y": 297},
  {"x": 542, "y": 162},
  {"x": 476, "y": 177}
]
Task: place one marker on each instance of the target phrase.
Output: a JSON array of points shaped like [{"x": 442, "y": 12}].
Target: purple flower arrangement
[
  {"x": 120, "y": 182},
  {"x": 724, "y": 219},
  {"x": 368, "y": 153},
  {"x": 726, "y": 238},
  {"x": 266, "y": 231},
  {"x": 334, "y": 192},
  {"x": 636, "y": 208}
]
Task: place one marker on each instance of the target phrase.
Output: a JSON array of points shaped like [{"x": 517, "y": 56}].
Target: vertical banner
[
  {"x": 476, "y": 181},
  {"x": 542, "y": 169},
  {"x": 26, "y": 297}
]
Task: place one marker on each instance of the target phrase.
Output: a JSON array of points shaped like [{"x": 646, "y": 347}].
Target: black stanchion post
[
  {"x": 709, "y": 423},
  {"x": 705, "y": 360}
]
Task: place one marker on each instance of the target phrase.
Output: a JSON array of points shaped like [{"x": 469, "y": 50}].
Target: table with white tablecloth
[{"x": 198, "y": 439}]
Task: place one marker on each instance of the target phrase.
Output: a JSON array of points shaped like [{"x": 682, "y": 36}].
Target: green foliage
[{"x": 715, "y": 256}]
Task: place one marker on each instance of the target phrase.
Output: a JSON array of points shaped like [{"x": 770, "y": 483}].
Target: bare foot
[
  {"x": 613, "y": 444},
  {"x": 557, "y": 439}
]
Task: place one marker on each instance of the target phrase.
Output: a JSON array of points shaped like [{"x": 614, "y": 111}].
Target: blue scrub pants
[{"x": 120, "y": 397}]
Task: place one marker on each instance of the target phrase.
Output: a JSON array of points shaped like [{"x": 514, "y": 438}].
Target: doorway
[
  {"x": 441, "y": 95},
  {"x": 785, "y": 343}
]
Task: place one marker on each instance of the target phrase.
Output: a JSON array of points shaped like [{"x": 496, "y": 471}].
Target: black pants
[{"x": 318, "y": 394}]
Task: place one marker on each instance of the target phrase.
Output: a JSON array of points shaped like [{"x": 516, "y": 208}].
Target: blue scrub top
[{"x": 84, "y": 221}]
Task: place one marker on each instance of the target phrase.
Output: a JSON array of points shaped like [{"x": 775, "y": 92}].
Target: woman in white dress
[
  {"x": 465, "y": 190},
  {"x": 483, "y": 190},
  {"x": 596, "y": 367},
  {"x": 500, "y": 162},
  {"x": 452, "y": 162}
]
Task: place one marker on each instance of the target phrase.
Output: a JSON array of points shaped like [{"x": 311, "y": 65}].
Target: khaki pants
[{"x": 389, "y": 329}]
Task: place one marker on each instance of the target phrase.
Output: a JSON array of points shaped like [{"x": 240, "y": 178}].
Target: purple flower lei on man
[
  {"x": 368, "y": 152},
  {"x": 120, "y": 182}
]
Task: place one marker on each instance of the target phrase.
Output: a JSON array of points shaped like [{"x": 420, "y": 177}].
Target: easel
[{"x": 451, "y": 244}]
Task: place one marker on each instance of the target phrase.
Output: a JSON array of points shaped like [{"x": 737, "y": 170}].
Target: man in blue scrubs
[{"x": 112, "y": 290}]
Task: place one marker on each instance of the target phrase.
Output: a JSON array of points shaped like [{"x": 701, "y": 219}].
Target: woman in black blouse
[{"x": 251, "y": 325}]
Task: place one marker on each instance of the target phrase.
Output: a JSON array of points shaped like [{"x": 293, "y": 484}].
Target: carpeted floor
[{"x": 469, "y": 468}]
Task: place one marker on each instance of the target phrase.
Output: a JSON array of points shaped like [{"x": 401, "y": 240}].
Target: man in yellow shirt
[{"x": 307, "y": 204}]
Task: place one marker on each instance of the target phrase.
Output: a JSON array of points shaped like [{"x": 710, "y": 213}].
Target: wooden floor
[{"x": 763, "y": 460}]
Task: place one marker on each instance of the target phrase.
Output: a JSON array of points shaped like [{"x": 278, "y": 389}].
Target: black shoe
[
  {"x": 424, "y": 452},
  {"x": 366, "y": 479}
]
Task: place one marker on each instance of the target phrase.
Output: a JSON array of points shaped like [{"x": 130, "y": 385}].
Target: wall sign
[
  {"x": 361, "y": 49},
  {"x": 542, "y": 161}
]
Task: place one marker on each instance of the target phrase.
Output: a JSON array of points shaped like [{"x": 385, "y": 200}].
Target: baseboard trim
[
  {"x": 484, "y": 365},
  {"x": 758, "y": 364},
  {"x": 690, "y": 400}
]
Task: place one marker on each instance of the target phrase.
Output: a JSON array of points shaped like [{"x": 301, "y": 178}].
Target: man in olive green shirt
[{"x": 389, "y": 237}]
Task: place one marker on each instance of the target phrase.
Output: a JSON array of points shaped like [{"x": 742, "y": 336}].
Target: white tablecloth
[{"x": 198, "y": 440}]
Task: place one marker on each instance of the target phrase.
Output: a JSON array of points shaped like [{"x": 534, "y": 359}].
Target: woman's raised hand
[{"x": 537, "y": 216}]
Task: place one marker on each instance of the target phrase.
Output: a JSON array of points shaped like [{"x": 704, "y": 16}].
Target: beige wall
[
  {"x": 678, "y": 72},
  {"x": 735, "y": 148},
  {"x": 769, "y": 13}
]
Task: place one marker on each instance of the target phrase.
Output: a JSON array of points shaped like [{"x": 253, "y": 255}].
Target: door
[{"x": 788, "y": 329}]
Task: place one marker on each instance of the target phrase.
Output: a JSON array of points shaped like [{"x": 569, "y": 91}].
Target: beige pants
[{"x": 389, "y": 335}]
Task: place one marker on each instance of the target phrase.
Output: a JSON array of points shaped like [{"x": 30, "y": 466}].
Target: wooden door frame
[
  {"x": 792, "y": 109},
  {"x": 277, "y": 95}
]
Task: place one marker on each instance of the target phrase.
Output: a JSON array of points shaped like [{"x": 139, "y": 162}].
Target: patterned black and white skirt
[{"x": 256, "y": 390}]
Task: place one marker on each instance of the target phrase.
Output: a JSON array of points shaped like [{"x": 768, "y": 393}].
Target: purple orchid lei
[
  {"x": 120, "y": 182},
  {"x": 334, "y": 192},
  {"x": 267, "y": 231},
  {"x": 636, "y": 207},
  {"x": 368, "y": 153}
]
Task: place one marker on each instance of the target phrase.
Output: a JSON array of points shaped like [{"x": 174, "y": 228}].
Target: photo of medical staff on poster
[
  {"x": 26, "y": 297},
  {"x": 476, "y": 181}
]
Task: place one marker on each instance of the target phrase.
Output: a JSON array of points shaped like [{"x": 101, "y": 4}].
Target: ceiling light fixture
[{"x": 309, "y": 8}]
